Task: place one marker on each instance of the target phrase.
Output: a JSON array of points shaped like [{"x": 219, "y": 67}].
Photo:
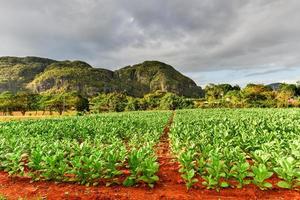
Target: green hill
[
  {"x": 16, "y": 73},
  {"x": 46, "y": 75}
]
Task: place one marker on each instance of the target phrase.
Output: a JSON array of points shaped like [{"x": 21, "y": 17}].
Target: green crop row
[
  {"x": 231, "y": 148},
  {"x": 87, "y": 150}
]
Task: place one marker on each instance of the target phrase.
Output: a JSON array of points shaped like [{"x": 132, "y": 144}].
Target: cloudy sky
[{"x": 234, "y": 41}]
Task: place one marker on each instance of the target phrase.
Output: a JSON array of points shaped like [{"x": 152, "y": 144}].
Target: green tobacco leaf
[
  {"x": 267, "y": 185},
  {"x": 129, "y": 182},
  {"x": 191, "y": 174},
  {"x": 224, "y": 184},
  {"x": 284, "y": 184},
  {"x": 155, "y": 178}
]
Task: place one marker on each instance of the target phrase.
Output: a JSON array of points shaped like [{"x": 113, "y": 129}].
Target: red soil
[{"x": 170, "y": 186}]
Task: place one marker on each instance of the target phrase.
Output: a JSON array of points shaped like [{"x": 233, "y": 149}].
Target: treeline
[
  {"x": 111, "y": 102},
  {"x": 216, "y": 96},
  {"x": 116, "y": 102},
  {"x": 253, "y": 95},
  {"x": 26, "y": 101}
]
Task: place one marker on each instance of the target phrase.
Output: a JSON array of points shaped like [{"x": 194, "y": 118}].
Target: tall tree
[
  {"x": 22, "y": 102},
  {"x": 288, "y": 88},
  {"x": 7, "y": 102}
]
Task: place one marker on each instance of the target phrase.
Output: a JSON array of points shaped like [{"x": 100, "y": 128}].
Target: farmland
[
  {"x": 88, "y": 149},
  {"x": 213, "y": 152},
  {"x": 240, "y": 146}
]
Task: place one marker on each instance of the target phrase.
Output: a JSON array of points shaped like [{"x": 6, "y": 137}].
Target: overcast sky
[{"x": 234, "y": 41}]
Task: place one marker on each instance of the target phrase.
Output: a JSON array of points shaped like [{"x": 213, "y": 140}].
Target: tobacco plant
[
  {"x": 289, "y": 171},
  {"x": 260, "y": 174},
  {"x": 214, "y": 179},
  {"x": 240, "y": 171},
  {"x": 187, "y": 165}
]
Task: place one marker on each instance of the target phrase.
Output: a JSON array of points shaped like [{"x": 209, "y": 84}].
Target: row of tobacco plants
[
  {"x": 232, "y": 148},
  {"x": 88, "y": 150}
]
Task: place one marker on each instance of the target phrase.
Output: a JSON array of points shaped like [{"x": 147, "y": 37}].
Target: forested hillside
[{"x": 44, "y": 75}]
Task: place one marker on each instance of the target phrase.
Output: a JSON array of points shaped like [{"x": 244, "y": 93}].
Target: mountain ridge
[{"x": 47, "y": 75}]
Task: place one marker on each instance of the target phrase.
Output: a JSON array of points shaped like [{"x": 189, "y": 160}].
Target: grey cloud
[
  {"x": 271, "y": 71},
  {"x": 192, "y": 35}
]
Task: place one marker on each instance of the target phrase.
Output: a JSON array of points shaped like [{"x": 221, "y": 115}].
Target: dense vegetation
[
  {"x": 111, "y": 102},
  {"x": 24, "y": 102},
  {"x": 32, "y": 84},
  {"x": 216, "y": 96},
  {"x": 231, "y": 148},
  {"x": 253, "y": 95},
  {"x": 87, "y": 150},
  {"x": 218, "y": 148},
  {"x": 44, "y": 75}
]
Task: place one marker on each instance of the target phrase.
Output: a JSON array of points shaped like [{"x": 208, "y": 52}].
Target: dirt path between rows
[{"x": 170, "y": 185}]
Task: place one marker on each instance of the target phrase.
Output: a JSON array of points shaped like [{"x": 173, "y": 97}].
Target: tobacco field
[
  {"x": 86, "y": 150},
  {"x": 214, "y": 148},
  {"x": 232, "y": 148}
]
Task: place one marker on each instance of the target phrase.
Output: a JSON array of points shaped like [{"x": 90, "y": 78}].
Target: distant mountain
[
  {"x": 275, "y": 86},
  {"x": 16, "y": 73},
  {"x": 46, "y": 75}
]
